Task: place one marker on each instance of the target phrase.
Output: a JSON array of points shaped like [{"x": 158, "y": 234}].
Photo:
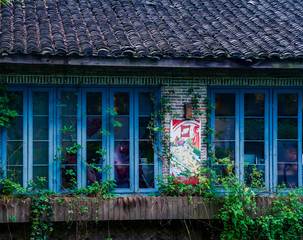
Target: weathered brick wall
[{"x": 177, "y": 91}]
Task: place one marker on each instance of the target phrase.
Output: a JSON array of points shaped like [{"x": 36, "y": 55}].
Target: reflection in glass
[
  {"x": 40, "y": 152},
  {"x": 122, "y": 176},
  {"x": 225, "y": 104},
  {"x": 146, "y": 152},
  {"x": 288, "y": 174},
  {"x": 287, "y": 128},
  {"x": 123, "y": 131},
  {"x": 94, "y": 127},
  {"x": 225, "y": 149},
  {"x": 254, "y": 104},
  {"x": 287, "y": 151},
  {"x": 225, "y": 128},
  {"x": 146, "y": 176},
  {"x": 254, "y": 153},
  {"x": 287, "y": 104},
  {"x": 145, "y": 104},
  {"x": 143, "y": 131},
  {"x": 121, "y": 103},
  {"x": 15, "y": 173},
  {"x": 40, "y": 103},
  {"x": 254, "y": 129},
  {"x": 15, "y": 131},
  {"x": 121, "y": 153},
  {"x": 40, "y": 128},
  {"x": 258, "y": 174},
  {"x": 69, "y": 103},
  {"x": 41, "y": 171},
  {"x": 94, "y": 103},
  {"x": 15, "y": 153},
  {"x": 94, "y": 174}
]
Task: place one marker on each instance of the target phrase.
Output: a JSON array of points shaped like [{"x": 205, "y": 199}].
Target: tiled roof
[{"x": 237, "y": 29}]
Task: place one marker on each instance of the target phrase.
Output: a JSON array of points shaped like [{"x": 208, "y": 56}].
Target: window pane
[
  {"x": 122, "y": 132},
  {"x": 94, "y": 174},
  {"x": 225, "y": 128},
  {"x": 254, "y": 104},
  {"x": 69, "y": 103},
  {"x": 225, "y": 149},
  {"x": 121, "y": 154},
  {"x": 15, "y": 131},
  {"x": 40, "y": 152},
  {"x": 287, "y": 128},
  {"x": 287, "y": 151},
  {"x": 16, "y": 174},
  {"x": 249, "y": 176},
  {"x": 225, "y": 104},
  {"x": 94, "y": 103},
  {"x": 15, "y": 153},
  {"x": 145, "y": 104},
  {"x": 287, "y": 104},
  {"x": 146, "y": 176},
  {"x": 91, "y": 152},
  {"x": 68, "y": 176},
  {"x": 146, "y": 152},
  {"x": 40, "y": 172},
  {"x": 40, "y": 103},
  {"x": 143, "y": 131},
  {"x": 94, "y": 127},
  {"x": 16, "y": 102},
  {"x": 121, "y": 103},
  {"x": 40, "y": 131},
  {"x": 68, "y": 153},
  {"x": 288, "y": 174},
  {"x": 254, "y": 153},
  {"x": 69, "y": 128},
  {"x": 122, "y": 176},
  {"x": 254, "y": 129}
]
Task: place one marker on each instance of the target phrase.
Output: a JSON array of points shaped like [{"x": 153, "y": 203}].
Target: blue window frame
[
  {"x": 261, "y": 128},
  {"x": 70, "y": 124}
]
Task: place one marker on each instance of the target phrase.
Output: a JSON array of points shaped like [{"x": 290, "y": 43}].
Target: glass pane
[
  {"x": 225, "y": 128},
  {"x": 122, "y": 176},
  {"x": 287, "y": 104},
  {"x": 69, "y": 103},
  {"x": 69, "y": 128},
  {"x": 94, "y": 103},
  {"x": 92, "y": 156},
  {"x": 40, "y": 152},
  {"x": 145, "y": 104},
  {"x": 146, "y": 153},
  {"x": 40, "y": 131},
  {"x": 287, "y": 128},
  {"x": 122, "y": 132},
  {"x": 146, "y": 176},
  {"x": 121, "y": 103},
  {"x": 222, "y": 170},
  {"x": 94, "y": 127},
  {"x": 40, "y": 103},
  {"x": 121, "y": 155},
  {"x": 254, "y": 153},
  {"x": 253, "y": 129},
  {"x": 225, "y": 104},
  {"x": 40, "y": 172},
  {"x": 69, "y": 156},
  {"x": 68, "y": 177},
  {"x": 16, "y": 174},
  {"x": 254, "y": 104},
  {"x": 16, "y": 102},
  {"x": 15, "y": 131},
  {"x": 94, "y": 173},
  {"x": 143, "y": 131},
  {"x": 288, "y": 174},
  {"x": 255, "y": 173},
  {"x": 225, "y": 149},
  {"x": 15, "y": 153},
  {"x": 287, "y": 151}
]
